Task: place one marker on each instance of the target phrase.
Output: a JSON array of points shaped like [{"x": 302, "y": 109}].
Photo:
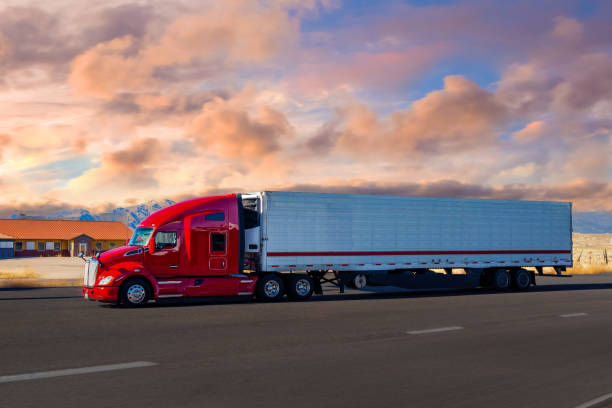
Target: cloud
[
  {"x": 5, "y": 139},
  {"x": 228, "y": 130},
  {"x": 587, "y": 82},
  {"x": 367, "y": 69},
  {"x": 566, "y": 27},
  {"x": 108, "y": 68},
  {"x": 458, "y": 117},
  {"x": 238, "y": 33},
  {"x": 134, "y": 166},
  {"x": 532, "y": 131}
]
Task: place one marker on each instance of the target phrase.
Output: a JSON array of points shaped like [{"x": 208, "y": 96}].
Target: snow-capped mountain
[
  {"x": 583, "y": 222},
  {"x": 130, "y": 216}
]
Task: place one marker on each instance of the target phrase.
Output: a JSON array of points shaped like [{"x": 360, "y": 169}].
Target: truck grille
[{"x": 91, "y": 270}]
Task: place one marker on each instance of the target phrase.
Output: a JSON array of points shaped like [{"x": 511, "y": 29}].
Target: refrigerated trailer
[{"x": 270, "y": 244}]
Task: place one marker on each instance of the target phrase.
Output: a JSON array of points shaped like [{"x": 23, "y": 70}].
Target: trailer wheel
[
  {"x": 359, "y": 281},
  {"x": 300, "y": 287},
  {"x": 135, "y": 292},
  {"x": 501, "y": 279},
  {"x": 270, "y": 287},
  {"x": 521, "y": 279}
]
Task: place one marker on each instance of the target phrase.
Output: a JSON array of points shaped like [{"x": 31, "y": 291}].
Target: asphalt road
[{"x": 549, "y": 347}]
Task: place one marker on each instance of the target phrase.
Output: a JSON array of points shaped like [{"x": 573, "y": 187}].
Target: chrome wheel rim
[
  {"x": 272, "y": 288},
  {"x": 360, "y": 281},
  {"x": 136, "y": 293},
  {"x": 302, "y": 287}
]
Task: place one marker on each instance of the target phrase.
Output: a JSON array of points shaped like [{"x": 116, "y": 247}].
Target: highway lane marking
[
  {"x": 436, "y": 330},
  {"x": 75, "y": 371},
  {"x": 573, "y": 315},
  {"x": 595, "y": 401}
]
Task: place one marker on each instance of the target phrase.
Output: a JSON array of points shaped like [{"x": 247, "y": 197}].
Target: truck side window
[
  {"x": 215, "y": 217},
  {"x": 165, "y": 239},
  {"x": 217, "y": 242}
]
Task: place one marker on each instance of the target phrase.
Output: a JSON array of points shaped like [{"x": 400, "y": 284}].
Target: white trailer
[{"x": 398, "y": 240}]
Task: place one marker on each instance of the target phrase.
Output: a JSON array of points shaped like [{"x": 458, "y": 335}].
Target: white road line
[
  {"x": 75, "y": 371},
  {"x": 573, "y": 314},
  {"x": 595, "y": 401},
  {"x": 436, "y": 330}
]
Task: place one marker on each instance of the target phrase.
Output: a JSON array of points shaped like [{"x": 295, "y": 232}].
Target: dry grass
[
  {"x": 28, "y": 278},
  {"x": 24, "y": 273},
  {"x": 586, "y": 269}
]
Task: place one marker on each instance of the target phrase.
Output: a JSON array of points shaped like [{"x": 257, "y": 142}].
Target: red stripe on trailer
[
  {"x": 361, "y": 264},
  {"x": 344, "y": 264},
  {"x": 292, "y": 266},
  {"x": 330, "y": 264},
  {"x": 309, "y": 265},
  {"x": 366, "y": 253}
]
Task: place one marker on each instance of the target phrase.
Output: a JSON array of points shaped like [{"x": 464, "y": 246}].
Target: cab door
[{"x": 163, "y": 258}]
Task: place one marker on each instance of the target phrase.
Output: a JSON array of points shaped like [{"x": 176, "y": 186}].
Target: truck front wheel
[
  {"x": 300, "y": 287},
  {"x": 135, "y": 292},
  {"x": 270, "y": 287}
]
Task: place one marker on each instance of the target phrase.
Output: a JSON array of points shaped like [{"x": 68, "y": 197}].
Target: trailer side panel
[{"x": 364, "y": 232}]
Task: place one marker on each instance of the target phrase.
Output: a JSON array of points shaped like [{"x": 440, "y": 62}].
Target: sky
[{"x": 119, "y": 102}]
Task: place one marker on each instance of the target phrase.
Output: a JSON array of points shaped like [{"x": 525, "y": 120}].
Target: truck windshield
[{"x": 141, "y": 236}]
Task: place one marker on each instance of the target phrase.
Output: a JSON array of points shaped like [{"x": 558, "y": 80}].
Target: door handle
[
  {"x": 223, "y": 264},
  {"x": 173, "y": 266}
]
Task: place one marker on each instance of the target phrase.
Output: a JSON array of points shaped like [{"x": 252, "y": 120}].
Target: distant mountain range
[
  {"x": 130, "y": 216},
  {"x": 592, "y": 222},
  {"x": 584, "y": 222}
]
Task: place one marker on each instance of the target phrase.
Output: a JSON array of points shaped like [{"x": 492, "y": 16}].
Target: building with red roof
[{"x": 29, "y": 237}]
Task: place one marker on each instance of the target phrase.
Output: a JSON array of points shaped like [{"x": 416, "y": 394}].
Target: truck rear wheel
[
  {"x": 521, "y": 279},
  {"x": 270, "y": 287},
  {"x": 300, "y": 287},
  {"x": 501, "y": 279},
  {"x": 135, "y": 292}
]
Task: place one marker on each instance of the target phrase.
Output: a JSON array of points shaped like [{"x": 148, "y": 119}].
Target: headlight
[{"x": 106, "y": 280}]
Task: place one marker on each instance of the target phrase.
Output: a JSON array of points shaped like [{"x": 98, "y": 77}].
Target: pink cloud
[
  {"x": 532, "y": 131},
  {"x": 229, "y": 131},
  {"x": 367, "y": 69},
  {"x": 461, "y": 116}
]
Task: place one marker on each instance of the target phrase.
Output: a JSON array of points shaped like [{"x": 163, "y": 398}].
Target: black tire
[
  {"x": 135, "y": 292},
  {"x": 300, "y": 287},
  {"x": 521, "y": 279},
  {"x": 269, "y": 287},
  {"x": 501, "y": 279}
]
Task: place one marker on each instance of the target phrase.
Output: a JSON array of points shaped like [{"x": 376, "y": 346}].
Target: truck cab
[{"x": 192, "y": 248}]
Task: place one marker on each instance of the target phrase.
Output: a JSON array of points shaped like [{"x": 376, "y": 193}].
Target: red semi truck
[{"x": 270, "y": 244}]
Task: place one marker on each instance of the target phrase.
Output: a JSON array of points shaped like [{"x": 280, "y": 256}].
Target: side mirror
[{"x": 81, "y": 256}]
